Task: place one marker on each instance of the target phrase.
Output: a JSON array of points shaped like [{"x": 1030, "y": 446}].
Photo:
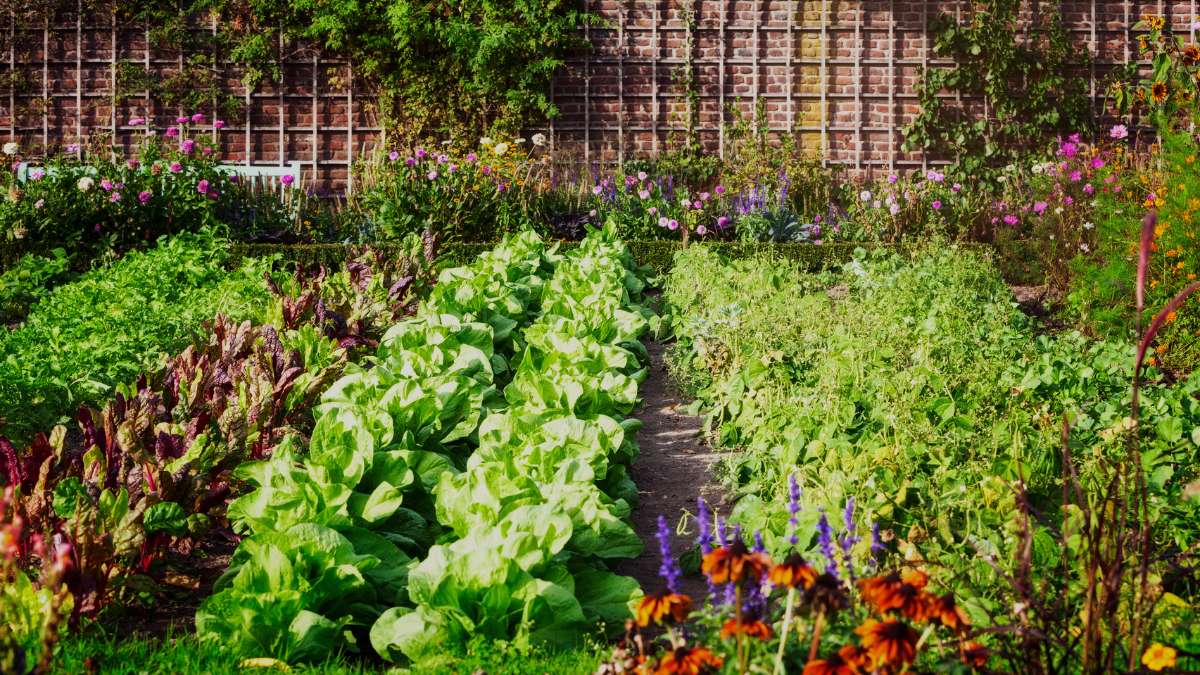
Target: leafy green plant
[{"x": 30, "y": 279}]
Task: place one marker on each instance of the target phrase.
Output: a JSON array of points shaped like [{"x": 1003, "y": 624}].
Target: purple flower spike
[
  {"x": 877, "y": 547},
  {"x": 825, "y": 541},
  {"x": 704, "y": 520},
  {"x": 721, "y": 531},
  {"x": 759, "y": 547},
  {"x": 794, "y": 509},
  {"x": 669, "y": 570},
  {"x": 849, "y": 539}
]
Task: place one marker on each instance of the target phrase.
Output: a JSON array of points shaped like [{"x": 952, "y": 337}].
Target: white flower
[
  {"x": 1088, "y": 225},
  {"x": 539, "y": 139},
  {"x": 1084, "y": 248},
  {"x": 11, "y": 148},
  {"x": 1058, "y": 211},
  {"x": 39, "y": 203},
  {"x": 519, "y": 141},
  {"x": 865, "y": 195},
  {"x": 85, "y": 183},
  {"x": 486, "y": 142},
  {"x": 500, "y": 149},
  {"x": 1037, "y": 169}
]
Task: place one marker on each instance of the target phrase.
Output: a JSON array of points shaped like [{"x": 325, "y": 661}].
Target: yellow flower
[{"x": 1159, "y": 657}]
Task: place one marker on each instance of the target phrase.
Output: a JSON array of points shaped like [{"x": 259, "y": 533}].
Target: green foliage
[
  {"x": 86, "y": 337},
  {"x": 30, "y": 279},
  {"x": 1023, "y": 75},
  {"x": 457, "y": 67},
  {"x": 913, "y": 385}
]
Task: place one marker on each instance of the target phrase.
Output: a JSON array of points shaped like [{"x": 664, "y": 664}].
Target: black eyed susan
[
  {"x": 849, "y": 660},
  {"x": 903, "y": 593},
  {"x": 653, "y": 609},
  {"x": 792, "y": 573},
  {"x": 748, "y": 626},
  {"x": 888, "y": 643},
  {"x": 1159, "y": 92},
  {"x": 826, "y": 594},
  {"x": 688, "y": 661},
  {"x": 944, "y": 611},
  {"x": 734, "y": 563},
  {"x": 975, "y": 654}
]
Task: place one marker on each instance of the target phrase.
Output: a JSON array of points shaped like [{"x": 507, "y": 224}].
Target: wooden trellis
[{"x": 839, "y": 74}]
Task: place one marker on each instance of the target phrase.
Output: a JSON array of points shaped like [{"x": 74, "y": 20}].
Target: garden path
[{"x": 673, "y": 468}]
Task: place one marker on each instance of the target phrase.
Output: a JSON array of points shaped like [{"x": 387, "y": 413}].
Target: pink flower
[
  {"x": 133, "y": 163},
  {"x": 956, "y": 188},
  {"x": 1068, "y": 149},
  {"x": 697, "y": 205},
  {"x": 106, "y": 184},
  {"x": 663, "y": 221},
  {"x": 172, "y": 132},
  {"x": 937, "y": 204},
  {"x": 393, "y": 156},
  {"x": 486, "y": 169},
  {"x": 218, "y": 124},
  {"x": 652, "y": 210},
  {"x": 1118, "y": 132},
  {"x": 287, "y": 179},
  {"x": 198, "y": 118},
  {"x": 144, "y": 196},
  {"x": 1097, "y": 163},
  {"x": 432, "y": 175},
  {"x": 421, "y": 153},
  {"x": 596, "y": 190},
  {"x": 1069, "y": 200},
  {"x": 935, "y": 176},
  {"x": 175, "y": 167},
  {"x": 644, "y": 194},
  {"x": 1039, "y": 207},
  {"x": 471, "y": 157},
  {"x": 206, "y": 151},
  {"x": 114, "y": 197},
  {"x": 673, "y": 225},
  {"x": 720, "y": 189},
  {"x": 187, "y": 146},
  {"x": 1010, "y": 219},
  {"x": 137, "y": 121},
  {"x": 202, "y": 187},
  {"x": 442, "y": 159},
  {"x": 701, "y": 230},
  {"x": 1088, "y": 189},
  {"x": 704, "y": 196},
  {"x": 642, "y": 175},
  {"x": 182, "y": 119},
  {"x": 411, "y": 161},
  {"x": 452, "y": 168},
  {"x": 722, "y": 221},
  {"x": 1076, "y": 176},
  {"x": 894, "y": 209},
  {"x": 73, "y": 149},
  {"x": 893, "y": 178}
]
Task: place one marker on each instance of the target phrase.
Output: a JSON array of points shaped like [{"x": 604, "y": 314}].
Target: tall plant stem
[
  {"x": 741, "y": 637},
  {"x": 816, "y": 638},
  {"x": 787, "y": 629}
]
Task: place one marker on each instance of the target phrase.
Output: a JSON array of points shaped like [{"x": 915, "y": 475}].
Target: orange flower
[
  {"x": 1191, "y": 55},
  {"x": 688, "y": 661},
  {"x": 902, "y": 592},
  {"x": 974, "y": 654},
  {"x": 734, "y": 563},
  {"x": 943, "y": 611},
  {"x": 793, "y": 572},
  {"x": 752, "y": 627},
  {"x": 889, "y": 642},
  {"x": 826, "y": 594},
  {"x": 655, "y": 608},
  {"x": 1159, "y": 657},
  {"x": 848, "y": 661},
  {"x": 1159, "y": 91}
]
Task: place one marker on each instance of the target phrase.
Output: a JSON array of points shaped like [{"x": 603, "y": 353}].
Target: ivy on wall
[
  {"x": 438, "y": 67},
  {"x": 1020, "y": 64}
]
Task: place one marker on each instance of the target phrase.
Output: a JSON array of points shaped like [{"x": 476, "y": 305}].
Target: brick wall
[{"x": 839, "y": 73}]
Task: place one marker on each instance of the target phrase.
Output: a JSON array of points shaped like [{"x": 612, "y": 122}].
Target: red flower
[
  {"x": 793, "y": 572},
  {"x": 904, "y": 593},
  {"x": 754, "y": 628}
]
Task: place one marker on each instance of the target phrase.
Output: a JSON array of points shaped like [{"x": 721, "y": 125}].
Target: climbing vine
[
  {"x": 1022, "y": 74},
  {"x": 437, "y": 67}
]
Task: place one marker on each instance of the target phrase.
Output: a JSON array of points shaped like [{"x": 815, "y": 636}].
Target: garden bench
[{"x": 252, "y": 171}]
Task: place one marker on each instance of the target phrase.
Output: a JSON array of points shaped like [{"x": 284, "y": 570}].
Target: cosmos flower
[{"x": 1118, "y": 132}]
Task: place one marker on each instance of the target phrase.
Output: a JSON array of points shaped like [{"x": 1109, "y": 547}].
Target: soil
[
  {"x": 186, "y": 578},
  {"x": 673, "y": 468},
  {"x": 1036, "y": 302}
]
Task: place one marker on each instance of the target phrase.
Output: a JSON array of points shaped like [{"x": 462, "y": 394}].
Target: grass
[{"x": 94, "y": 651}]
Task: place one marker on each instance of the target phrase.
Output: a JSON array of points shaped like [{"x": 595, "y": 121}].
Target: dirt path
[{"x": 673, "y": 468}]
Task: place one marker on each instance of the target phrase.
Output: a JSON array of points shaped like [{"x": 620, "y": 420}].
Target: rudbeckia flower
[
  {"x": 975, "y": 654},
  {"x": 902, "y": 593},
  {"x": 848, "y": 661},
  {"x": 688, "y": 661},
  {"x": 734, "y": 563},
  {"x": 826, "y": 594},
  {"x": 655, "y": 608},
  {"x": 792, "y": 572},
  {"x": 888, "y": 643},
  {"x": 942, "y": 610},
  {"x": 750, "y": 626}
]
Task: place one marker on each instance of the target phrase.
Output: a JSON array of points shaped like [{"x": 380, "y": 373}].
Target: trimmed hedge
[{"x": 657, "y": 255}]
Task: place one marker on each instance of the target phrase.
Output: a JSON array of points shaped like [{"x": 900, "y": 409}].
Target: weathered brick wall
[{"x": 838, "y": 73}]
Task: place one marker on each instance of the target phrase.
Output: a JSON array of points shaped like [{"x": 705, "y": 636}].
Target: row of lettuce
[
  {"x": 910, "y": 391},
  {"x": 467, "y": 480},
  {"x": 133, "y": 467}
]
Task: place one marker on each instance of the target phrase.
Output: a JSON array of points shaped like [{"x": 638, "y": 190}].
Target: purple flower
[
  {"x": 287, "y": 179},
  {"x": 673, "y": 225},
  {"x": 187, "y": 146},
  {"x": 411, "y": 161},
  {"x": 218, "y": 124},
  {"x": 1076, "y": 176},
  {"x": 669, "y": 570},
  {"x": 144, "y": 196},
  {"x": 452, "y": 168},
  {"x": 202, "y": 187},
  {"x": 825, "y": 541},
  {"x": 1010, "y": 219},
  {"x": 596, "y": 190},
  {"x": 175, "y": 167},
  {"x": 421, "y": 153},
  {"x": 1088, "y": 189},
  {"x": 182, "y": 119},
  {"x": 442, "y": 159},
  {"x": 697, "y": 205},
  {"x": 73, "y": 149},
  {"x": 1068, "y": 149},
  {"x": 793, "y": 509},
  {"x": 720, "y": 189},
  {"x": 393, "y": 156},
  {"x": 1118, "y": 132},
  {"x": 1039, "y": 207},
  {"x": 114, "y": 197},
  {"x": 106, "y": 184},
  {"x": 723, "y": 222},
  {"x": 701, "y": 230},
  {"x": 956, "y": 188},
  {"x": 892, "y": 179},
  {"x": 137, "y": 121},
  {"x": 172, "y": 132},
  {"x": 704, "y": 525},
  {"x": 849, "y": 539},
  {"x": 471, "y": 157},
  {"x": 198, "y": 118},
  {"x": 1097, "y": 163},
  {"x": 663, "y": 221},
  {"x": 758, "y": 547},
  {"x": 877, "y": 547},
  {"x": 432, "y": 175},
  {"x": 937, "y": 204},
  {"x": 935, "y": 176}
]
